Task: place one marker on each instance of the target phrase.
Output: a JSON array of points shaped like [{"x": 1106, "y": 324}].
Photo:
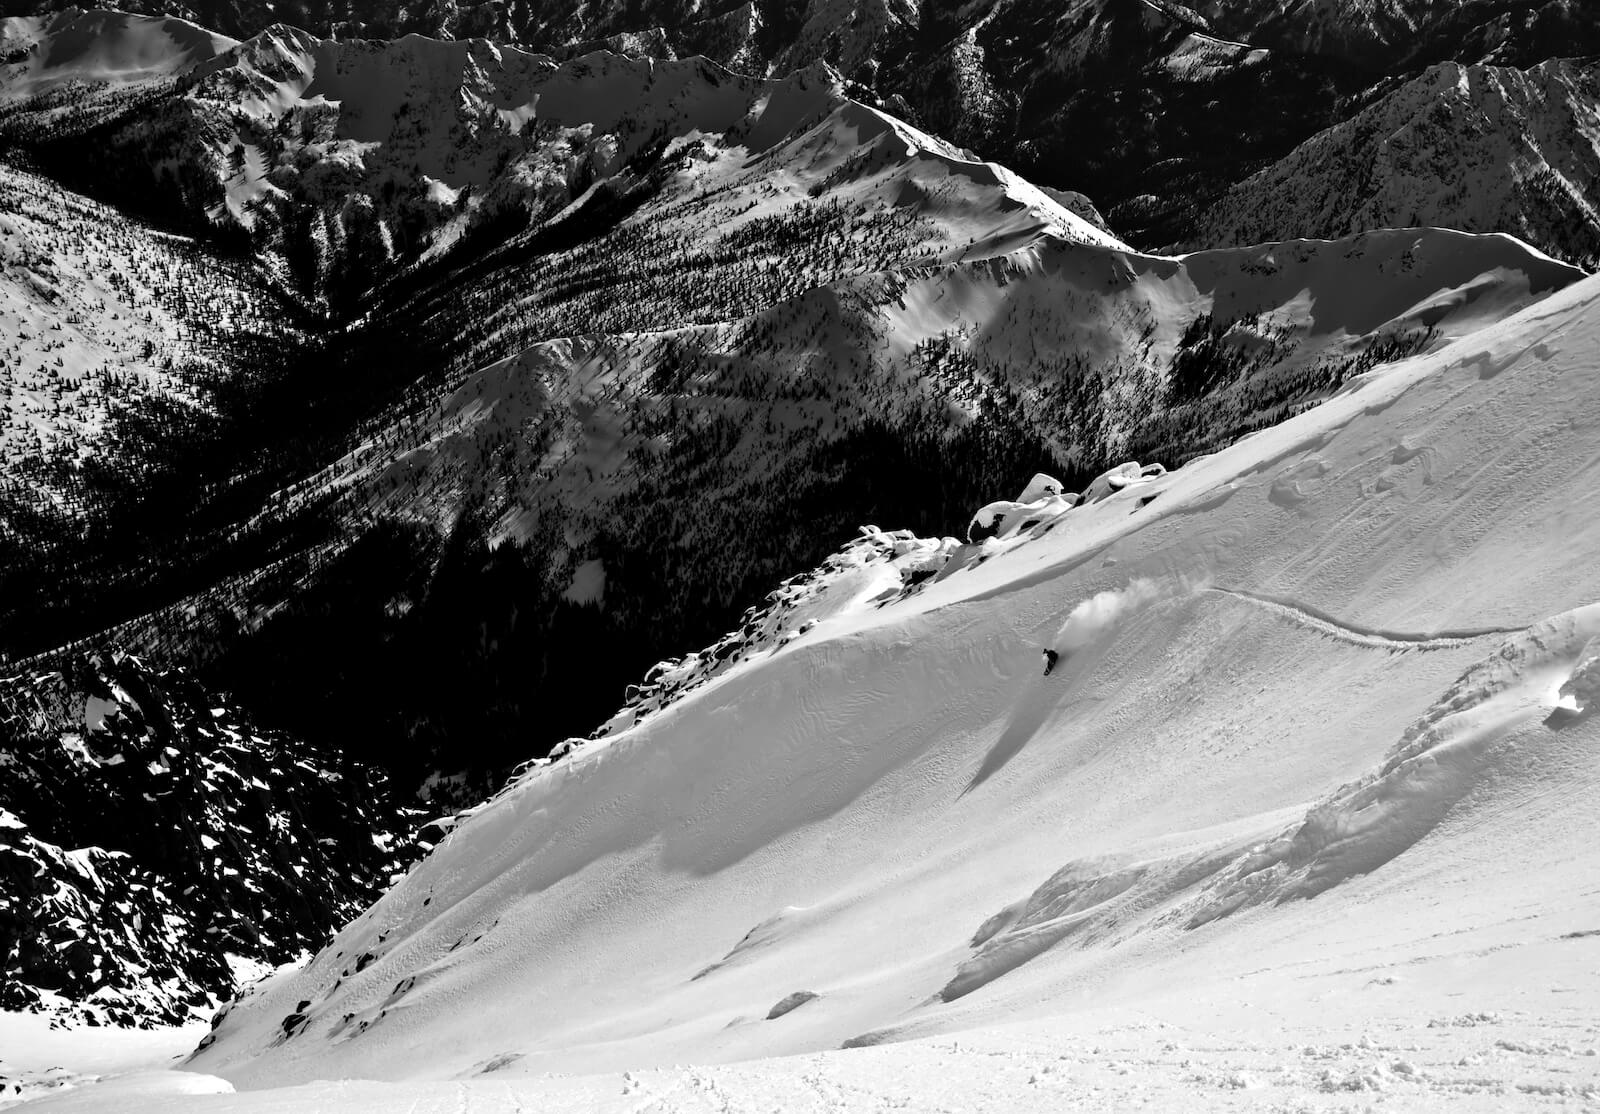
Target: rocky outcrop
[{"x": 151, "y": 837}]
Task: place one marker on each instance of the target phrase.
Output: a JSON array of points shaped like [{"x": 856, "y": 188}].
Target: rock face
[
  {"x": 1480, "y": 148},
  {"x": 151, "y": 837}
]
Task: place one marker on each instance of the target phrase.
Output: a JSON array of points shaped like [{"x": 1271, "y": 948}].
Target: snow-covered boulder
[
  {"x": 1113, "y": 480},
  {"x": 1042, "y": 500},
  {"x": 1042, "y": 486},
  {"x": 1580, "y": 690},
  {"x": 996, "y": 520}
]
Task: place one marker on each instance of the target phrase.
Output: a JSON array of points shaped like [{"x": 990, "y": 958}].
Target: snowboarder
[{"x": 1050, "y": 657}]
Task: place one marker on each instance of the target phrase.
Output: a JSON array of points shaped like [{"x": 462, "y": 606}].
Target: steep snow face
[
  {"x": 1311, "y": 715},
  {"x": 1480, "y": 148},
  {"x": 40, "y": 55}
]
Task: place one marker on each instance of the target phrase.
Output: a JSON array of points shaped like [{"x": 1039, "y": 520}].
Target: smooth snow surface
[
  {"x": 1304, "y": 817},
  {"x": 37, "y": 1059}
]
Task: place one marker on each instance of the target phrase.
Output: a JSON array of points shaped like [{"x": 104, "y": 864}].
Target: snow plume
[{"x": 1104, "y": 611}]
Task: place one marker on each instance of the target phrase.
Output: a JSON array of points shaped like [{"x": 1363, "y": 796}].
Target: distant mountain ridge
[
  {"x": 347, "y": 163},
  {"x": 1460, "y": 146},
  {"x": 1150, "y": 107}
]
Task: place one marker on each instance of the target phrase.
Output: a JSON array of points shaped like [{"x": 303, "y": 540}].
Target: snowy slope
[
  {"x": 1480, "y": 148},
  {"x": 1318, "y": 751}
]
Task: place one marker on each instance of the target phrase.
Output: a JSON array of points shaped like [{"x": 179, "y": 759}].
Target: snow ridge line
[{"x": 1314, "y": 618}]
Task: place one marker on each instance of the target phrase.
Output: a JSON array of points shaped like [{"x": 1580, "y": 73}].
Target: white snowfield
[{"x": 1303, "y": 819}]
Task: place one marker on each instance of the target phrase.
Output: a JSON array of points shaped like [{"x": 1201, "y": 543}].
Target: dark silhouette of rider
[{"x": 1050, "y": 658}]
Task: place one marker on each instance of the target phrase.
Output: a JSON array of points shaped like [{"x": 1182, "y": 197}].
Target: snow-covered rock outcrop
[{"x": 875, "y": 569}]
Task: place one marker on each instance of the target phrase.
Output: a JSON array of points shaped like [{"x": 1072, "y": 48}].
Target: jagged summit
[{"x": 1151, "y": 107}]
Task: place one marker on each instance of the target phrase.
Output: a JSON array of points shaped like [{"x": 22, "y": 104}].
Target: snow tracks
[{"x": 1313, "y": 618}]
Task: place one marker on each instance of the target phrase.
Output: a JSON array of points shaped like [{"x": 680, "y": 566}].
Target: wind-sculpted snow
[
  {"x": 1462, "y": 742},
  {"x": 1461, "y": 745},
  {"x": 1283, "y": 755}
]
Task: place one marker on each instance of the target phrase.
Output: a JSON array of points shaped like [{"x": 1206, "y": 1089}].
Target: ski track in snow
[{"x": 1313, "y": 618}]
